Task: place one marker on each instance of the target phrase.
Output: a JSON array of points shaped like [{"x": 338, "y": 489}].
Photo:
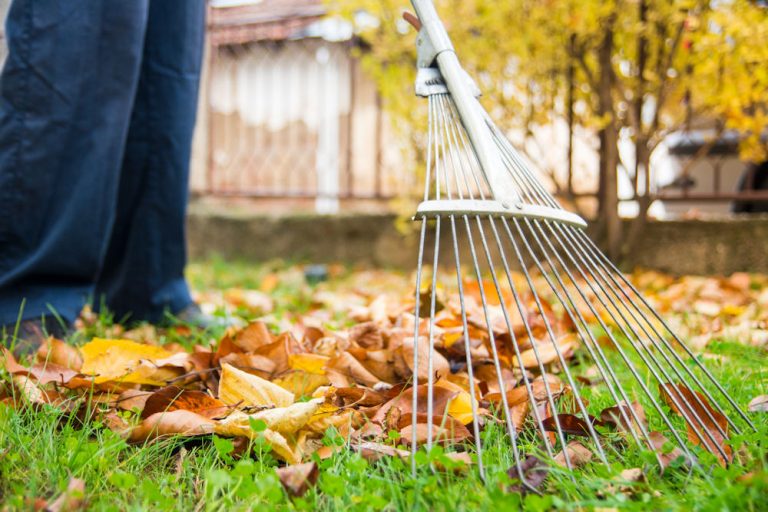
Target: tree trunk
[
  {"x": 609, "y": 155},
  {"x": 644, "y": 201}
]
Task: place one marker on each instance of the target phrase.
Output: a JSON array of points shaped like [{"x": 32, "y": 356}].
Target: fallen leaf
[
  {"x": 70, "y": 500},
  {"x": 173, "y": 423},
  {"x": 275, "y": 440},
  {"x": 60, "y": 353},
  {"x": 439, "y": 434},
  {"x": 373, "y": 452},
  {"x": 621, "y": 416},
  {"x": 440, "y": 366},
  {"x": 545, "y": 353},
  {"x": 528, "y": 477},
  {"x": 239, "y": 388},
  {"x": 658, "y": 442},
  {"x": 347, "y": 365},
  {"x": 172, "y": 398},
  {"x": 460, "y": 462},
  {"x": 132, "y": 399},
  {"x": 298, "y": 478},
  {"x": 404, "y": 402},
  {"x": 125, "y": 361},
  {"x": 367, "y": 335},
  {"x": 29, "y": 390},
  {"x": 578, "y": 454},
  {"x": 759, "y": 403},
  {"x": 286, "y": 420},
  {"x": 705, "y": 425},
  {"x": 569, "y": 424},
  {"x": 310, "y": 363}
]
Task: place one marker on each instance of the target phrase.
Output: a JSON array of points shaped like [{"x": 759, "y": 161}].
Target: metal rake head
[{"x": 538, "y": 302}]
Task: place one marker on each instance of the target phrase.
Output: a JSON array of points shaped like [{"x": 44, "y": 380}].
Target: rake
[{"x": 540, "y": 287}]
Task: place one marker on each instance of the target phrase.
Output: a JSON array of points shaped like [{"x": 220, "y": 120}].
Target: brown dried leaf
[
  {"x": 367, "y": 335},
  {"x": 173, "y": 423},
  {"x": 132, "y": 399},
  {"x": 440, "y": 366},
  {"x": 692, "y": 404},
  {"x": 71, "y": 500},
  {"x": 616, "y": 416},
  {"x": 373, "y": 452},
  {"x": 362, "y": 396},
  {"x": 759, "y": 404},
  {"x": 171, "y": 398},
  {"x": 298, "y": 478},
  {"x": 350, "y": 367},
  {"x": 60, "y": 353},
  {"x": 578, "y": 454},
  {"x": 569, "y": 424},
  {"x": 404, "y": 402},
  {"x": 658, "y": 441},
  {"x": 450, "y": 433},
  {"x": 528, "y": 477},
  {"x": 547, "y": 352},
  {"x": 252, "y": 336}
]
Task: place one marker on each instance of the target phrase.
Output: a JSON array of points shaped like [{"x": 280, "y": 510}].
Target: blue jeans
[{"x": 97, "y": 110}]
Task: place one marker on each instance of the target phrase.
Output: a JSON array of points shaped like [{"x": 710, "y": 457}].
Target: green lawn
[{"x": 40, "y": 450}]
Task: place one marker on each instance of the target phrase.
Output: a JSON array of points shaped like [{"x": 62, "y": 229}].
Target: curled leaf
[
  {"x": 172, "y": 398},
  {"x": 237, "y": 387},
  {"x": 298, "y": 478},
  {"x": 759, "y": 403},
  {"x": 173, "y": 423},
  {"x": 578, "y": 455}
]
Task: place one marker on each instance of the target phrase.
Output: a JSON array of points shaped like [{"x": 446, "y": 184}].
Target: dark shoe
[
  {"x": 31, "y": 334},
  {"x": 194, "y": 316}
]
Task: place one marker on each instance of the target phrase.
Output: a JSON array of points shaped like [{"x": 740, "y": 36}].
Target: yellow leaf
[
  {"x": 460, "y": 406},
  {"x": 285, "y": 420},
  {"x": 237, "y": 387},
  {"x": 125, "y": 361},
  {"x": 275, "y": 440},
  {"x": 301, "y": 383},
  {"x": 310, "y": 363}
]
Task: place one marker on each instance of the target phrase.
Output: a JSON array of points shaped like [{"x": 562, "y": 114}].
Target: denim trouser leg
[
  {"x": 143, "y": 272},
  {"x": 97, "y": 109},
  {"x": 66, "y": 94}
]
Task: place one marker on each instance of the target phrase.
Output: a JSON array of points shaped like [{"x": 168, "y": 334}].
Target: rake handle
[{"x": 467, "y": 105}]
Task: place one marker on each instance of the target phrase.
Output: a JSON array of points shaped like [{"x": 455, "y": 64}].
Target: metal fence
[{"x": 296, "y": 119}]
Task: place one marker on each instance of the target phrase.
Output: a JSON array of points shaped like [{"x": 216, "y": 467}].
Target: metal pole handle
[{"x": 468, "y": 107}]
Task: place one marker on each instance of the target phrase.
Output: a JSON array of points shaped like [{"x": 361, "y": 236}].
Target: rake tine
[
  {"x": 431, "y": 343},
  {"x": 502, "y": 387},
  {"x": 636, "y": 346},
  {"x": 592, "y": 347},
  {"x": 661, "y": 368},
  {"x": 626, "y": 360},
  {"x": 566, "y": 286},
  {"x": 514, "y": 343},
  {"x": 415, "y": 404},
  {"x": 470, "y": 373},
  {"x": 671, "y": 364},
  {"x": 606, "y": 264},
  {"x": 553, "y": 339}
]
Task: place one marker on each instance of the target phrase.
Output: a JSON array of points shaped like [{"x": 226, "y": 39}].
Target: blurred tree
[{"x": 644, "y": 68}]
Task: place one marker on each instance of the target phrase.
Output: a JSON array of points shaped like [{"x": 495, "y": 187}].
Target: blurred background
[{"x": 630, "y": 111}]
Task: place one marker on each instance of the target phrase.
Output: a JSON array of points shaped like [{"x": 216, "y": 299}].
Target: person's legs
[
  {"x": 143, "y": 273},
  {"x": 66, "y": 94}
]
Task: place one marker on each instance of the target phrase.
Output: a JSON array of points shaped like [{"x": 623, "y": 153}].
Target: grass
[{"x": 40, "y": 450}]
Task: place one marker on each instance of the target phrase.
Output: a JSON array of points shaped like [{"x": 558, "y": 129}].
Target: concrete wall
[{"x": 679, "y": 247}]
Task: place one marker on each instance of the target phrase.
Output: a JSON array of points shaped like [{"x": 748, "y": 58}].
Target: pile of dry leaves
[{"x": 289, "y": 389}]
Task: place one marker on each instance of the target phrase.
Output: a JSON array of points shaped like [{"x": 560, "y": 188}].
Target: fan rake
[{"x": 540, "y": 288}]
